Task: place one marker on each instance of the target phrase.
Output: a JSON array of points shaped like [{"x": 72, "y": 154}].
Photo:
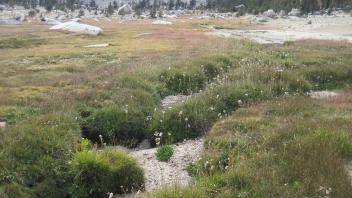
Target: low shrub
[
  {"x": 34, "y": 154},
  {"x": 126, "y": 126},
  {"x": 183, "y": 82},
  {"x": 164, "y": 153},
  {"x": 95, "y": 174},
  {"x": 193, "y": 77},
  {"x": 195, "y": 117}
]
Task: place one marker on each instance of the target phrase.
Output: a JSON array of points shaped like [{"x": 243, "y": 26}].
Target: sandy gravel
[
  {"x": 158, "y": 174},
  {"x": 278, "y": 31},
  {"x": 171, "y": 101},
  {"x": 322, "y": 94}
]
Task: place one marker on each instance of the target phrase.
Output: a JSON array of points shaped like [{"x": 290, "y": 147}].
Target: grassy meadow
[{"x": 264, "y": 136}]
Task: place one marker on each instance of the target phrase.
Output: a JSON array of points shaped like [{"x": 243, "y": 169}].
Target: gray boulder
[
  {"x": 125, "y": 9},
  {"x": 9, "y": 22},
  {"x": 282, "y": 13},
  {"x": 295, "y": 12},
  {"x": 240, "y": 9},
  {"x": 270, "y": 13}
]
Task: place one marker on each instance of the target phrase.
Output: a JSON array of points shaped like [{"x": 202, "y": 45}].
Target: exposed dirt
[{"x": 278, "y": 31}]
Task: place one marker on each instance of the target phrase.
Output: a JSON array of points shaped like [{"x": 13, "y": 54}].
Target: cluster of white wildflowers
[
  {"x": 125, "y": 108},
  {"x": 102, "y": 141},
  {"x": 158, "y": 136},
  {"x": 325, "y": 191}
]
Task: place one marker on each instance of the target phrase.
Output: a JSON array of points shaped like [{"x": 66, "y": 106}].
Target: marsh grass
[
  {"x": 289, "y": 146},
  {"x": 20, "y": 43},
  {"x": 44, "y": 92}
]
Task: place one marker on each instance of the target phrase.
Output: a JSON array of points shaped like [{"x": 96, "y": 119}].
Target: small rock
[
  {"x": 270, "y": 13},
  {"x": 2, "y": 124},
  {"x": 295, "y": 12},
  {"x": 161, "y": 22},
  {"x": 282, "y": 13},
  {"x": 145, "y": 144},
  {"x": 322, "y": 94},
  {"x": 97, "y": 45}
]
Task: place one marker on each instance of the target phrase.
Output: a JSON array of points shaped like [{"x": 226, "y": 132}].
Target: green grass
[
  {"x": 164, "y": 153},
  {"x": 49, "y": 96},
  {"x": 290, "y": 146},
  {"x": 97, "y": 174},
  {"x": 20, "y": 43}
]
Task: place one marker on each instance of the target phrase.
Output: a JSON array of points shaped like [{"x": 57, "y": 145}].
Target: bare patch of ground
[
  {"x": 322, "y": 94},
  {"x": 173, "y": 172},
  {"x": 279, "y": 31},
  {"x": 171, "y": 101},
  {"x": 158, "y": 174}
]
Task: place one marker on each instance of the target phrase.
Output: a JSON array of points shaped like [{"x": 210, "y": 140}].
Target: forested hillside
[{"x": 220, "y": 5}]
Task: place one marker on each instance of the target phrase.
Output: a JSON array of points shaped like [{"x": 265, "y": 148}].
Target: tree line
[{"x": 218, "y": 5}]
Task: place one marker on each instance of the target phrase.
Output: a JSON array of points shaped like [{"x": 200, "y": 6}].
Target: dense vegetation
[
  {"x": 288, "y": 147},
  {"x": 97, "y": 174},
  {"x": 164, "y": 153},
  {"x": 59, "y": 101}
]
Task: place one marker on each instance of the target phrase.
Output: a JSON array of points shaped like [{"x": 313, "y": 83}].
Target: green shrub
[
  {"x": 34, "y": 154},
  {"x": 98, "y": 173},
  {"x": 184, "y": 82},
  {"x": 127, "y": 126},
  {"x": 195, "y": 117},
  {"x": 14, "y": 190},
  {"x": 164, "y": 153},
  {"x": 194, "y": 76}
]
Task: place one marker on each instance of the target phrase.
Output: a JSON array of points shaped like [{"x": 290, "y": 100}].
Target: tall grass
[{"x": 289, "y": 146}]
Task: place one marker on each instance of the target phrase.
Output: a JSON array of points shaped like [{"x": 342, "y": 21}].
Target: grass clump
[
  {"x": 34, "y": 153},
  {"x": 20, "y": 43},
  {"x": 195, "y": 117},
  {"x": 98, "y": 173},
  {"x": 126, "y": 126},
  {"x": 194, "y": 76},
  {"x": 183, "y": 82},
  {"x": 285, "y": 147},
  {"x": 164, "y": 153}
]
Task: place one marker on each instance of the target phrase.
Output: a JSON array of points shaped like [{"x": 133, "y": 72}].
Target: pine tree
[
  {"x": 92, "y": 4},
  {"x": 192, "y": 4},
  {"x": 115, "y": 5},
  {"x": 109, "y": 10},
  {"x": 178, "y": 4},
  {"x": 171, "y": 4},
  {"x": 153, "y": 10}
]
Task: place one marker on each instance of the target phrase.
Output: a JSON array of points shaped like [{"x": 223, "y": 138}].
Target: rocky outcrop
[
  {"x": 295, "y": 12},
  {"x": 270, "y": 13},
  {"x": 76, "y": 27},
  {"x": 125, "y": 9}
]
